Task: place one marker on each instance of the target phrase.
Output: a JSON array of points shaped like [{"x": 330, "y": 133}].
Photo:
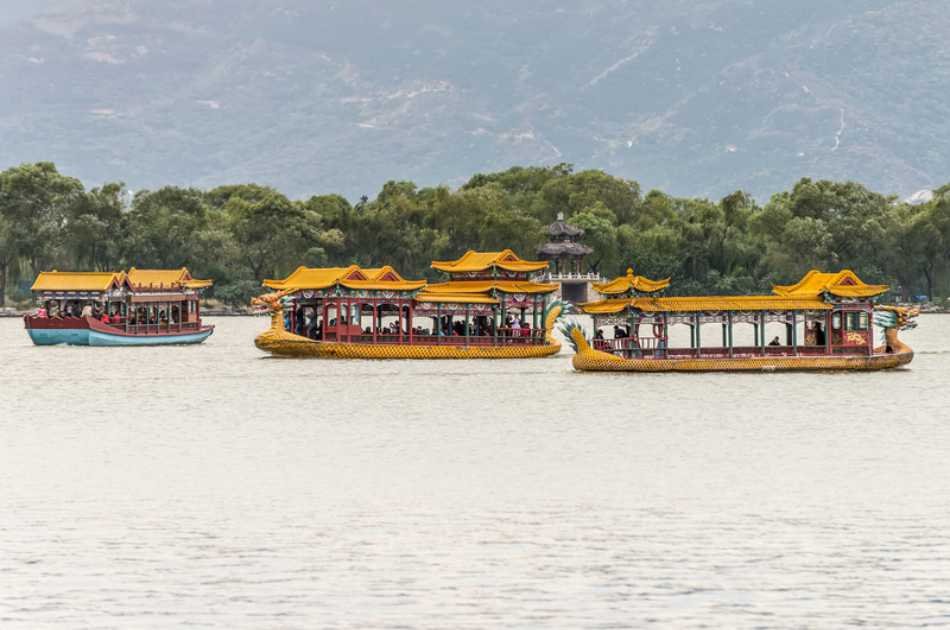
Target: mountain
[{"x": 698, "y": 97}]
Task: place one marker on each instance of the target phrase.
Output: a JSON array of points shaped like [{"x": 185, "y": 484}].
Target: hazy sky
[{"x": 13, "y": 10}]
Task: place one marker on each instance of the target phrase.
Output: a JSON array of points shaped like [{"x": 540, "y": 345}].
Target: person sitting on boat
[
  {"x": 41, "y": 313},
  {"x": 599, "y": 334},
  {"x": 775, "y": 341},
  {"x": 87, "y": 310},
  {"x": 525, "y": 329},
  {"x": 516, "y": 328},
  {"x": 105, "y": 319},
  {"x": 819, "y": 334}
]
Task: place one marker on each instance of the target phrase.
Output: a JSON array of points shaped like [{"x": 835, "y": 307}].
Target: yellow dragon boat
[
  {"x": 489, "y": 308},
  {"x": 825, "y": 321}
]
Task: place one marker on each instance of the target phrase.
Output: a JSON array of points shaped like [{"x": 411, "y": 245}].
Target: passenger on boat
[
  {"x": 105, "y": 319},
  {"x": 775, "y": 341},
  {"x": 525, "y": 329},
  {"x": 87, "y": 310},
  {"x": 599, "y": 334},
  {"x": 819, "y": 334},
  {"x": 41, "y": 313}
]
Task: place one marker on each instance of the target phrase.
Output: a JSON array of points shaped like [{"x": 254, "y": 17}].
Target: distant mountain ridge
[{"x": 695, "y": 97}]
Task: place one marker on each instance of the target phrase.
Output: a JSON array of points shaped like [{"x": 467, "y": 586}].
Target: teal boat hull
[{"x": 87, "y": 332}]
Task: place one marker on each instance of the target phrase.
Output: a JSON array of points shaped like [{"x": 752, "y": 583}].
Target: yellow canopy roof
[
  {"x": 844, "y": 284},
  {"x": 166, "y": 278},
  {"x": 472, "y": 261},
  {"x": 462, "y": 287},
  {"x": 630, "y": 283},
  {"x": 95, "y": 281},
  {"x": 352, "y": 277},
  {"x": 706, "y": 303}
]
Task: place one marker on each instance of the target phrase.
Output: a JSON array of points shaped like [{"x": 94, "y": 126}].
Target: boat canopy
[
  {"x": 79, "y": 281},
  {"x": 166, "y": 278},
  {"x": 808, "y": 294},
  {"x": 844, "y": 284},
  {"x": 474, "y": 262},
  {"x": 352, "y": 277},
  {"x": 631, "y": 283}
]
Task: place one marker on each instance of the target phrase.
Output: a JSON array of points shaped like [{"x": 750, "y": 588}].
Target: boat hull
[
  {"x": 281, "y": 343},
  {"x": 588, "y": 359},
  {"x": 595, "y": 361},
  {"x": 89, "y": 332}
]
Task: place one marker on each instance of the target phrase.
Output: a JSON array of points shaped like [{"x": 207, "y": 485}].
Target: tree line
[{"x": 241, "y": 234}]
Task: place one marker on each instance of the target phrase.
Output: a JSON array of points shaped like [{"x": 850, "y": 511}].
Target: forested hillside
[
  {"x": 241, "y": 234},
  {"x": 695, "y": 97}
]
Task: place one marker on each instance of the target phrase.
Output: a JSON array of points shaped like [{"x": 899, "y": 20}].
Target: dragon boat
[
  {"x": 489, "y": 307},
  {"x": 144, "y": 307},
  {"x": 825, "y": 322}
]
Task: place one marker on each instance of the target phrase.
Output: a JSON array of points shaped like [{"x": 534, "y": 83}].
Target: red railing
[{"x": 536, "y": 337}]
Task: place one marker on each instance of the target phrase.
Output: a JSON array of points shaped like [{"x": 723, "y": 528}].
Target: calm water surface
[{"x": 209, "y": 486}]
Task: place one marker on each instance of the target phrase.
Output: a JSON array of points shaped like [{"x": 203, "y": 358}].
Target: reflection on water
[{"x": 211, "y": 486}]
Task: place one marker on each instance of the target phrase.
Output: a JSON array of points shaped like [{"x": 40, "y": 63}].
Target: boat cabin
[
  {"x": 142, "y": 301},
  {"x": 489, "y": 298},
  {"x": 822, "y": 314}
]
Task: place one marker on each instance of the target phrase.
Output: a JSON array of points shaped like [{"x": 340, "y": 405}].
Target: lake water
[{"x": 209, "y": 486}]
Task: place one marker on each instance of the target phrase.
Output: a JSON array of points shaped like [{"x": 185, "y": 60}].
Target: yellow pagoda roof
[
  {"x": 95, "y": 281},
  {"x": 844, "y": 284},
  {"x": 352, "y": 277},
  {"x": 462, "y": 287},
  {"x": 629, "y": 283},
  {"x": 711, "y": 303},
  {"x": 166, "y": 278},
  {"x": 472, "y": 261}
]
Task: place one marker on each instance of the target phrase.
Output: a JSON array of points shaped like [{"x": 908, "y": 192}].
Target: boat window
[
  {"x": 836, "y": 321},
  {"x": 858, "y": 321}
]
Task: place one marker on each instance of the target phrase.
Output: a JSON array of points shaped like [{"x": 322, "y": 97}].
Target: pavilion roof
[
  {"x": 170, "y": 278},
  {"x": 631, "y": 283},
  {"x": 845, "y": 284},
  {"x": 562, "y": 228},
  {"x": 472, "y": 261},
  {"x": 352, "y": 277},
  {"x": 91, "y": 281},
  {"x": 560, "y": 248}
]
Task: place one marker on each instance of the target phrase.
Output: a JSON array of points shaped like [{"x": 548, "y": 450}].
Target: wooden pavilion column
[
  {"x": 375, "y": 320},
  {"x": 399, "y": 318},
  {"x": 828, "y": 332},
  {"x": 794, "y": 332},
  {"x": 699, "y": 338},
  {"x": 870, "y": 330},
  {"x": 729, "y": 320},
  {"x": 438, "y": 320},
  {"x": 761, "y": 339},
  {"x": 468, "y": 315},
  {"x": 410, "y": 326}
]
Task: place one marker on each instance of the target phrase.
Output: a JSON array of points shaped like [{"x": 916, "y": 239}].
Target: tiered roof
[
  {"x": 472, "y": 261},
  {"x": 484, "y": 290},
  {"x": 808, "y": 294},
  {"x": 166, "y": 278},
  {"x": 352, "y": 277},
  {"x": 88, "y": 281},
  {"x": 844, "y": 284},
  {"x": 630, "y": 284}
]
